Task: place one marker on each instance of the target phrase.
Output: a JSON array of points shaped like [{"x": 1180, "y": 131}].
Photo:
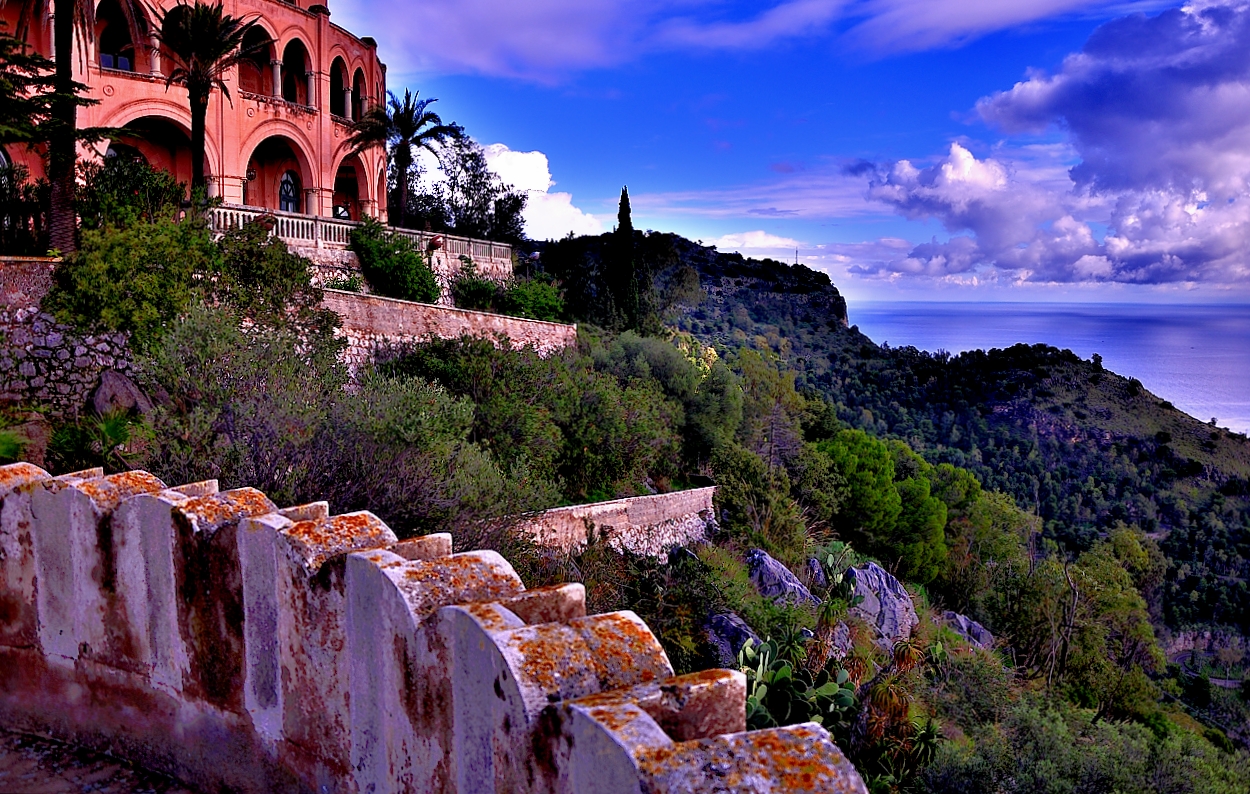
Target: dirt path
[{"x": 30, "y": 765}]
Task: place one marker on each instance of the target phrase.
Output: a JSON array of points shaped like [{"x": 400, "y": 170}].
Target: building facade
[{"x": 276, "y": 143}]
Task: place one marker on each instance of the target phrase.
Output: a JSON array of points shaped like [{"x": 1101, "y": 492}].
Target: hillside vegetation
[{"x": 984, "y": 482}]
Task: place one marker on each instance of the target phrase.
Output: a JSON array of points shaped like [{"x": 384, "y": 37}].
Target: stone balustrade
[{"x": 240, "y": 646}]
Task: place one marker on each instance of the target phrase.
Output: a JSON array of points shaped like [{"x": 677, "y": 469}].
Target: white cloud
[
  {"x": 755, "y": 241},
  {"x": 547, "y": 215}
]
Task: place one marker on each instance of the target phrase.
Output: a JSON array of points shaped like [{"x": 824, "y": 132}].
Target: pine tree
[{"x": 624, "y": 278}]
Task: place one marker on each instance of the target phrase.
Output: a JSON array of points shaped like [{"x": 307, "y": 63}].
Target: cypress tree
[{"x": 625, "y": 280}]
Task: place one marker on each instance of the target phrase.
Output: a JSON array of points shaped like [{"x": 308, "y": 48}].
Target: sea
[{"x": 1195, "y": 356}]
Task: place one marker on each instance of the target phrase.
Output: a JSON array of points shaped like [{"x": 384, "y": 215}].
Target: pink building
[{"x": 276, "y": 144}]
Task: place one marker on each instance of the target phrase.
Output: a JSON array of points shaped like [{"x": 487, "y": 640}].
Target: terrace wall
[{"x": 641, "y": 524}]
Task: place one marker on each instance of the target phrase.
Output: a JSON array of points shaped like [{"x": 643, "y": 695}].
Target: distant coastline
[{"x": 1195, "y": 355}]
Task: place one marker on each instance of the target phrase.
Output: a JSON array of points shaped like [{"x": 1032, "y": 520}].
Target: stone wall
[
  {"x": 43, "y": 362},
  {"x": 329, "y": 264},
  {"x": 373, "y": 325},
  {"x": 243, "y": 647},
  {"x": 641, "y": 524}
]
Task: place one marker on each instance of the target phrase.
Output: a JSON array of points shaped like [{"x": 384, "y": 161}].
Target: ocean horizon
[{"x": 1197, "y": 356}]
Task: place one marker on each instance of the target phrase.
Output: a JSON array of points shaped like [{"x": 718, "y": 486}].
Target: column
[
  {"x": 277, "y": 77},
  {"x": 154, "y": 47},
  {"x": 348, "y": 110},
  {"x": 312, "y": 89}
]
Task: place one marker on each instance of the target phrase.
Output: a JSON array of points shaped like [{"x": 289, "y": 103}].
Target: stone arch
[
  {"x": 351, "y": 188},
  {"x": 160, "y": 141},
  {"x": 256, "y": 66},
  {"x": 178, "y": 115},
  {"x": 340, "y": 98},
  {"x": 272, "y": 158},
  {"x": 296, "y": 66}
]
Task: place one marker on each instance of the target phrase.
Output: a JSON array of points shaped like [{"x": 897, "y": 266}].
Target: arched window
[
  {"x": 288, "y": 192},
  {"x": 359, "y": 94},
  {"x": 117, "y": 49},
  {"x": 339, "y": 89},
  {"x": 295, "y": 73},
  {"x": 255, "y": 72}
]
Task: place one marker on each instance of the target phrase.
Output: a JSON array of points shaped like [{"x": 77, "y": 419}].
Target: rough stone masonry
[{"x": 240, "y": 646}]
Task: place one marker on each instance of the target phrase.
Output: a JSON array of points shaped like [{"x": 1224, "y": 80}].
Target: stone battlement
[{"x": 244, "y": 647}]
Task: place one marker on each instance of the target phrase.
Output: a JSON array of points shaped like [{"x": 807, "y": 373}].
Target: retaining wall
[
  {"x": 373, "y": 325},
  {"x": 641, "y": 524},
  {"x": 339, "y": 263},
  {"x": 243, "y": 647},
  {"x": 43, "y": 362}
]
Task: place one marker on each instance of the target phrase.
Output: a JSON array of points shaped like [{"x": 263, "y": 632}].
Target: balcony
[{"x": 314, "y": 231}]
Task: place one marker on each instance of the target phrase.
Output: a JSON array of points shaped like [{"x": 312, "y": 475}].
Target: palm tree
[
  {"x": 69, "y": 17},
  {"x": 404, "y": 126},
  {"x": 202, "y": 43}
]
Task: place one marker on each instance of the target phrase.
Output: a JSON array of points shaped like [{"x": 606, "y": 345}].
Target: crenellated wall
[
  {"x": 243, "y": 647},
  {"x": 642, "y": 524}
]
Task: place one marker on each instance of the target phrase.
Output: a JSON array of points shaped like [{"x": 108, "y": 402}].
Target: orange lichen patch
[
  {"x": 796, "y": 759},
  {"x": 490, "y": 616},
  {"x": 552, "y": 659},
  {"x": 615, "y": 719},
  {"x": 108, "y": 492},
  {"x": 609, "y": 698},
  {"x": 459, "y": 579},
  {"x": 624, "y": 648},
  {"x": 16, "y": 475},
  {"x": 318, "y": 541},
  {"x": 702, "y": 678},
  {"x": 228, "y": 506}
]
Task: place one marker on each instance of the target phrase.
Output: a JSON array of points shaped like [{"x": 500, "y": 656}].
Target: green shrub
[
  {"x": 137, "y": 279},
  {"x": 350, "y": 283},
  {"x": 470, "y": 290},
  {"x": 533, "y": 298},
  {"x": 121, "y": 191},
  {"x": 263, "y": 281},
  {"x": 392, "y": 264},
  {"x": 250, "y": 408}
]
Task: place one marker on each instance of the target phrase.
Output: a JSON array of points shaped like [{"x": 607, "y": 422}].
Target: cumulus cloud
[
  {"x": 547, "y": 215},
  {"x": 1157, "y": 113},
  {"x": 755, "y": 241},
  {"x": 546, "y": 39}
]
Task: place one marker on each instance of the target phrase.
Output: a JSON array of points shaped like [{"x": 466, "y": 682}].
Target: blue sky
[{"x": 914, "y": 149}]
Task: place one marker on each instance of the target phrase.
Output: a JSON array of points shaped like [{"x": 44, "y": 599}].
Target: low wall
[
  {"x": 340, "y": 263},
  {"x": 642, "y": 524},
  {"x": 43, "y": 362},
  {"x": 373, "y": 324},
  {"x": 243, "y": 647}
]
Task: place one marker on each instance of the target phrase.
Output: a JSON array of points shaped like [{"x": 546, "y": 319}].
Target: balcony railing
[{"x": 318, "y": 232}]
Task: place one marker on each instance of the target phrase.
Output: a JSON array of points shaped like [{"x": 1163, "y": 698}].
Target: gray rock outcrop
[
  {"x": 969, "y": 629},
  {"x": 117, "y": 392},
  {"x": 886, "y": 604},
  {"x": 727, "y": 633},
  {"x": 776, "y": 581}
]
